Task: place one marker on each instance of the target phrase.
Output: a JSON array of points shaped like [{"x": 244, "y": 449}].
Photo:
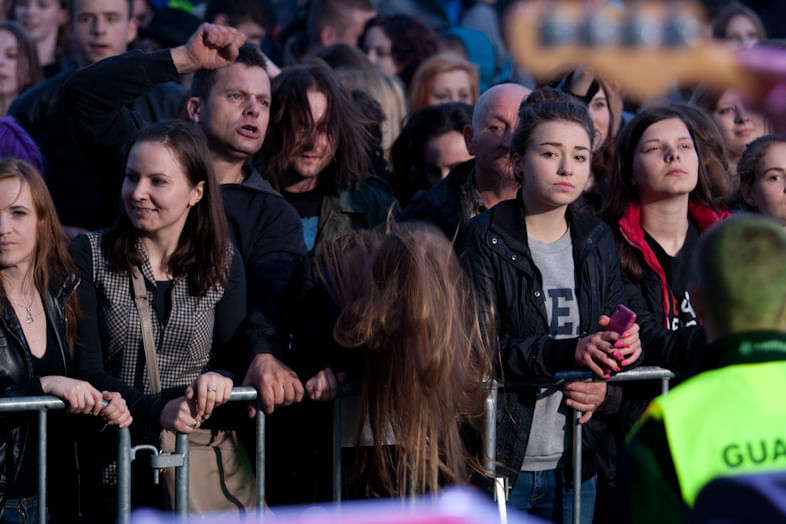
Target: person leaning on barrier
[
  {"x": 38, "y": 314},
  {"x": 172, "y": 235},
  {"x": 230, "y": 101},
  {"x": 393, "y": 309},
  {"x": 730, "y": 419},
  {"x": 551, "y": 275}
]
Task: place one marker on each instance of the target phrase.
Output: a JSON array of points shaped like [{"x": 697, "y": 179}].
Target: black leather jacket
[{"x": 17, "y": 378}]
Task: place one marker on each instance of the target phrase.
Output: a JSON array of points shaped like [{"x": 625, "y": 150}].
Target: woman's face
[
  {"x": 40, "y": 18},
  {"x": 9, "y": 56},
  {"x": 742, "y": 31},
  {"x": 18, "y": 224},
  {"x": 738, "y": 125},
  {"x": 451, "y": 86},
  {"x": 442, "y": 153},
  {"x": 555, "y": 166},
  {"x": 601, "y": 116},
  {"x": 665, "y": 162},
  {"x": 768, "y": 193},
  {"x": 378, "y": 49},
  {"x": 156, "y": 192}
]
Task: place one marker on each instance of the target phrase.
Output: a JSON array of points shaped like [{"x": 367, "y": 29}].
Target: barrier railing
[
  {"x": 41, "y": 404},
  {"x": 179, "y": 459},
  {"x": 490, "y": 428}
]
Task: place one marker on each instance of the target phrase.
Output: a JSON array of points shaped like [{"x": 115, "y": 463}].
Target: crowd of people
[{"x": 296, "y": 195}]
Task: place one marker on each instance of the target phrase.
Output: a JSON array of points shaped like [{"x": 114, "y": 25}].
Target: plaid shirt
[{"x": 470, "y": 203}]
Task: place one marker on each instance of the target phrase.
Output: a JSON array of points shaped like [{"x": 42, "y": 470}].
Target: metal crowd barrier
[
  {"x": 179, "y": 459},
  {"x": 490, "y": 426}
]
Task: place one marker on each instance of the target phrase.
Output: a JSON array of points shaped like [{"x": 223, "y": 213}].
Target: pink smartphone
[{"x": 622, "y": 320}]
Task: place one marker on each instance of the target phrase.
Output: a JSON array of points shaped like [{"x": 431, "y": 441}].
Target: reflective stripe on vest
[{"x": 725, "y": 422}]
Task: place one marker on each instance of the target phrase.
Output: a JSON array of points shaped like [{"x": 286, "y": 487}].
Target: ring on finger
[{"x": 211, "y": 388}]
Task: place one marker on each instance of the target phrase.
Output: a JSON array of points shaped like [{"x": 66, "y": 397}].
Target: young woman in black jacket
[
  {"x": 550, "y": 277},
  {"x": 37, "y": 328}
]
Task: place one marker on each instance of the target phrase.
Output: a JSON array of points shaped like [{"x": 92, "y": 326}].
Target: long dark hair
[
  {"x": 52, "y": 263},
  {"x": 28, "y": 68},
  {"x": 290, "y": 114},
  {"x": 201, "y": 252},
  {"x": 404, "y": 298},
  {"x": 622, "y": 190}
]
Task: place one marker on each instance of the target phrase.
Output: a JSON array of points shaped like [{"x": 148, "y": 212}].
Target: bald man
[{"x": 479, "y": 184}]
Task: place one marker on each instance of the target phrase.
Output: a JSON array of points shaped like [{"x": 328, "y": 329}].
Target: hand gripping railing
[
  {"x": 564, "y": 377},
  {"x": 41, "y": 404},
  {"x": 490, "y": 426},
  {"x": 179, "y": 460}
]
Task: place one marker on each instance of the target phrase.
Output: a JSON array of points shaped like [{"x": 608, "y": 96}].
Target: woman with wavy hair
[
  {"x": 401, "y": 319},
  {"x": 38, "y": 319}
]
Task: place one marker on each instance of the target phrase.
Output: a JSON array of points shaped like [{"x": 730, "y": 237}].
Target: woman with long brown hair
[
  {"x": 401, "y": 318},
  {"x": 169, "y": 249},
  {"x": 38, "y": 316}
]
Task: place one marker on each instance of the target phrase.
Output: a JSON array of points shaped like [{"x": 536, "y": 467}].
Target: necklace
[{"x": 29, "y": 317}]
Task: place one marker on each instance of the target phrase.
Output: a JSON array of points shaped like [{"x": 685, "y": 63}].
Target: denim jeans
[
  {"x": 20, "y": 511},
  {"x": 545, "y": 495}
]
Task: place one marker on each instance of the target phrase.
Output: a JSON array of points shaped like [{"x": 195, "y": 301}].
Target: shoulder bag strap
[{"x": 143, "y": 307}]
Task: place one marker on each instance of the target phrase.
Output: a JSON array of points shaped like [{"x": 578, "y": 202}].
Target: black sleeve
[
  {"x": 229, "y": 349},
  {"x": 88, "y": 352},
  {"x": 94, "y": 98},
  {"x": 680, "y": 350},
  {"x": 522, "y": 358}
]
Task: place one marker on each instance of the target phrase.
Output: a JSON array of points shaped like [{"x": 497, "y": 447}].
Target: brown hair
[
  {"x": 423, "y": 80},
  {"x": 28, "y": 68},
  {"x": 403, "y": 296},
  {"x": 721, "y": 21},
  {"x": 290, "y": 113},
  {"x": 748, "y": 167},
  {"x": 622, "y": 191},
  {"x": 201, "y": 251},
  {"x": 52, "y": 263}
]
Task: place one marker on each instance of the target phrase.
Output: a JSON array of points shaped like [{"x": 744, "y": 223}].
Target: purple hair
[{"x": 16, "y": 143}]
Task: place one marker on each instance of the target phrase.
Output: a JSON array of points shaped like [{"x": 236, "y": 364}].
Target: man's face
[
  {"x": 235, "y": 114},
  {"x": 100, "y": 29},
  {"x": 489, "y": 137},
  {"x": 253, "y": 32},
  {"x": 315, "y": 148}
]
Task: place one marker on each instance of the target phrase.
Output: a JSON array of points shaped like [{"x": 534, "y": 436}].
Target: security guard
[{"x": 731, "y": 418}]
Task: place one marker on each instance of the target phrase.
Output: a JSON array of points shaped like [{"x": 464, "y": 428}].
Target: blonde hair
[
  {"x": 423, "y": 81},
  {"x": 403, "y": 296},
  {"x": 384, "y": 90}
]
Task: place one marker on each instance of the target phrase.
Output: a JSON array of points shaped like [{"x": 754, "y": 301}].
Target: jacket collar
[
  {"x": 746, "y": 348},
  {"x": 630, "y": 228}
]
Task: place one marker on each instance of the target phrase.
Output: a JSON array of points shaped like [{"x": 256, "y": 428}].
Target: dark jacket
[
  {"x": 493, "y": 247},
  {"x": 343, "y": 210},
  {"x": 17, "y": 378},
  {"x": 650, "y": 296},
  {"x": 443, "y": 205},
  {"x": 84, "y": 195},
  {"x": 266, "y": 229}
]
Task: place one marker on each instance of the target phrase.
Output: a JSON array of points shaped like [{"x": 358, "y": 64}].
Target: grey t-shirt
[{"x": 549, "y": 435}]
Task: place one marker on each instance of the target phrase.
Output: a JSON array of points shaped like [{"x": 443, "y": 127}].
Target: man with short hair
[
  {"x": 479, "y": 184},
  {"x": 329, "y": 22},
  {"x": 231, "y": 103},
  {"x": 730, "y": 419},
  {"x": 318, "y": 155},
  {"x": 84, "y": 199},
  {"x": 254, "y": 18}
]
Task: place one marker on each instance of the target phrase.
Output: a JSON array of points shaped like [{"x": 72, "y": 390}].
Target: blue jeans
[
  {"x": 20, "y": 511},
  {"x": 545, "y": 495}
]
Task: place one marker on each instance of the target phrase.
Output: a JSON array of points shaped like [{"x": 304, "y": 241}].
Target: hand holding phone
[{"x": 622, "y": 320}]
